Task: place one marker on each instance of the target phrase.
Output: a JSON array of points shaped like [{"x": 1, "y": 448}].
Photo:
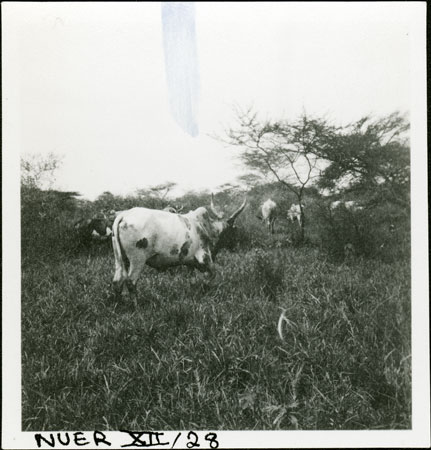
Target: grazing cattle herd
[
  {"x": 99, "y": 228},
  {"x": 165, "y": 238}
]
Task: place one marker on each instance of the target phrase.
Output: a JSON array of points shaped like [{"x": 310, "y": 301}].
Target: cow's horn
[
  {"x": 238, "y": 211},
  {"x": 217, "y": 214}
]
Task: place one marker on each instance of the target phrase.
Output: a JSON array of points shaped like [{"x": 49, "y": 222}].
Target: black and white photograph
[{"x": 215, "y": 225}]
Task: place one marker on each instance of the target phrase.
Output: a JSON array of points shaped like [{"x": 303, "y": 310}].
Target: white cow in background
[
  {"x": 353, "y": 205},
  {"x": 294, "y": 213},
  {"x": 335, "y": 205},
  {"x": 269, "y": 214},
  {"x": 350, "y": 205}
]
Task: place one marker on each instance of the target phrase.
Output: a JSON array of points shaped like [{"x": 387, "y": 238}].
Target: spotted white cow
[
  {"x": 161, "y": 239},
  {"x": 268, "y": 214}
]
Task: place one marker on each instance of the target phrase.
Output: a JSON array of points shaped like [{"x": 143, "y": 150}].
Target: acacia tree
[
  {"x": 282, "y": 151},
  {"x": 38, "y": 171},
  {"x": 370, "y": 157},
  {"x": 369, "y": 160},
  {"x": 159, "y": 191},
  {"x": 162, "y": 190}
]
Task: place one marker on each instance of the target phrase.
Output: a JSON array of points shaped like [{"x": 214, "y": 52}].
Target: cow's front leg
[{"x": 210, "y": 272}]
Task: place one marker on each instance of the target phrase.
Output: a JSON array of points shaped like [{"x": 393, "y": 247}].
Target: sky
[{"x": 89, "y": 82}]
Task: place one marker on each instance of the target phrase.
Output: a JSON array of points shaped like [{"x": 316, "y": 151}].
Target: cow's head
[{"x": 225, "y": 227}]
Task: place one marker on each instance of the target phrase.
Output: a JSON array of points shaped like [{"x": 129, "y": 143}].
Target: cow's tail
[{"x": 119, "y": 253}]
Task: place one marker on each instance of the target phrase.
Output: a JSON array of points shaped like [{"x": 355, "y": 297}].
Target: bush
[
  {"x": 46, "y": 223},
  {"x": 382, "y": 232}
]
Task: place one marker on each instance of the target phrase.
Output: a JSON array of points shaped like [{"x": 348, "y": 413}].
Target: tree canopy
[
  {"x": 38, "y": 171},
  {"x": 283, "y": 151},
  {"x": 370, "y": 155}
]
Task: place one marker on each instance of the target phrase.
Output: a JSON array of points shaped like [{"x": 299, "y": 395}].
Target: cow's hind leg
[
  {"x": 120, "y": 275},
  {"x": 132, "y": 280}
]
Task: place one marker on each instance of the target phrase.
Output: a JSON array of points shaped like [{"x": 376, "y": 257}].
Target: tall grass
[{"x": 207, "y": 355}]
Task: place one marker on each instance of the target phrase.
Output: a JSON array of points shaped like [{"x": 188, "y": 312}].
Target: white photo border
[{"x": 418, "y": 436}]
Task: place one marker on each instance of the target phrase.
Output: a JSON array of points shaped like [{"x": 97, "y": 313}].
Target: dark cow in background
[
  {"x": 95, "y": 229},
  {"x": 161, "y": 239}
]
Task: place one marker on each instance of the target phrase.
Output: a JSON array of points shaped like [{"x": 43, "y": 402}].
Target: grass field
[{"x": 208, "y": 356}]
